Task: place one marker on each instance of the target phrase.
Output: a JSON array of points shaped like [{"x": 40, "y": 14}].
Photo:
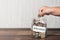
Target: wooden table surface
[{"x": 25, "y": 35}]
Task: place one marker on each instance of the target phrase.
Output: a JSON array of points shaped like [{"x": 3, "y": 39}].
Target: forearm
[{"x": 56, "y": 11}]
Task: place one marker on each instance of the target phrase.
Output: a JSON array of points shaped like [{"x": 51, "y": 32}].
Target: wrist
[{"x": 52, "y": 9}]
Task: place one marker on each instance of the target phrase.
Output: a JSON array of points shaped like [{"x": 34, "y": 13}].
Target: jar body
[{"x": 39, "y": 29}]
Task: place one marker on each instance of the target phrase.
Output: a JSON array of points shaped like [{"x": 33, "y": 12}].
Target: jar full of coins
[{"x": 39, "y": 27}]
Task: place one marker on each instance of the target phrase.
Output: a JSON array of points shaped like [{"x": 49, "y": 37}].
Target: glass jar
[{"x": 39, "y": 27}]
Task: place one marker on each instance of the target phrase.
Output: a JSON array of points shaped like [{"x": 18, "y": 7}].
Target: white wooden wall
[{"x": 19, "y": 13}]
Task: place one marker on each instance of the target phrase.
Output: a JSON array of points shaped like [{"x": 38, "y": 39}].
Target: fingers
[
  {"x": 42, "y": 11},
  {"x": 40, "y": 14}
]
